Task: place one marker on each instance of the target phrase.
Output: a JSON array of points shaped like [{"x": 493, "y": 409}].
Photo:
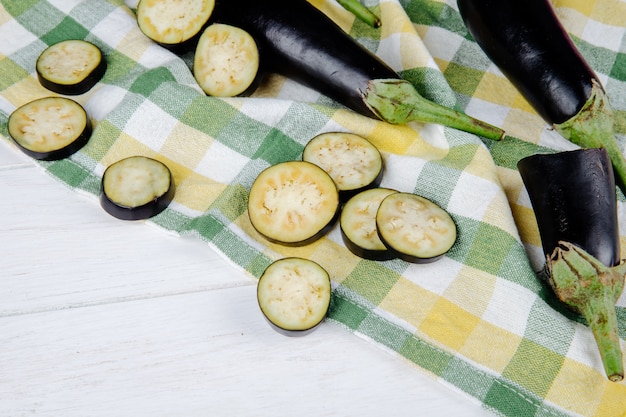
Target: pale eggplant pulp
[
  {"x": 136, "y": 188},
  {"x": 352, "y": 161},
  {"x": 573, "y": 196},
  {"x": 227, "y": 62},
  {"x": 293, "y": 203},
  {"x": 174, "y": 24},
  {"x": 50, "y": 128},
  {"x": 294, "y": 295},
  {"x": 70, "y": 67},
  {"x": 414, "y": 228},
  {"x": 358, "y": 225},
  {"x": 305, "y": 45}
]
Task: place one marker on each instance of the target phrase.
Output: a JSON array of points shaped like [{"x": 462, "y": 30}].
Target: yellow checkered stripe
[{"x": 479, "y": 319}]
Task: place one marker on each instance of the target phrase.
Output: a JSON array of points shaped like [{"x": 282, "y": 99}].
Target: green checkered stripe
[{"x": 479, "y": 320}]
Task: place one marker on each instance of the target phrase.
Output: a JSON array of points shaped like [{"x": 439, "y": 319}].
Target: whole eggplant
[
  {"x": 307, "y": 46},
  {"x": 528, "y": 43}
]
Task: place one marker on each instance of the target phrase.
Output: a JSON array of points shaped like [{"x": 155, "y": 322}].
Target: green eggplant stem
[
  {"x": 397, "y": 101},
  {"x": 591, "y": 289},
  {"x": 592, "y": 127},
  {"x": 361, "y": 12}
]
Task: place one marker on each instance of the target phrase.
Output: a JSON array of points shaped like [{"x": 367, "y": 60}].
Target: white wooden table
[{"x": 100, "y": 317}]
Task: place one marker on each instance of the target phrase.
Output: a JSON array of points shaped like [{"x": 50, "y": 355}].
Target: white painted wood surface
[{"x": 100, "y": 317}]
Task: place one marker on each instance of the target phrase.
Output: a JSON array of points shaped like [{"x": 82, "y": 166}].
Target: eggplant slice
[
  {"x": 71, "y": 67},
  {"x": 352, "y": 161},
  {"x": 293, "y": 203},
  {"x": 415, "y": 228},
  {"x": 136, "y": 188},
  {"x": 50, "y": 128},
  {"x": 358, "y": 225},
  {"x": 226, "y": 62},
  {"x": 174, "y": 24},
  {"x": 294, "y": 295}
]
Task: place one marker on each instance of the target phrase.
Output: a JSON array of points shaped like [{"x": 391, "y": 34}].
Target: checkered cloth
[{"x": 479, "y": 320}]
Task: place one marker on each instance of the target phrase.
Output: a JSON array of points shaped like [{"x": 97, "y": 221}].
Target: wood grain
[{"x": 101, "y": 317}]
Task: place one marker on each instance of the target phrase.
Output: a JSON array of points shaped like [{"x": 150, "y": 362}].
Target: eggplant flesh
[
  {"x": 293, "y": 203},
  {"x": 50, "y": 128},
  {"x": 294, "y": 295},
  {"x": 136, "y": 188},
  {"x": 573, "y": 196},
  {"x": 175, "y": 25},
  {"x": 532, "y": 49},
  {"x": 307, "y": 46},
  {"x": 358, "y": 225},
  {"x": 352, "y": 161},
  {"x": 70, "y": 67},
  {"x": 226, "y": 61},
  {"x": 414, "y": 228}
]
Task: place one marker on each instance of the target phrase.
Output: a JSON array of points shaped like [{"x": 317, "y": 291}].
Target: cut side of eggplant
[
  {"x": 174, "y": 24},
  {"x": 358, "y": 225},
  {"x": 136, "y": 188},
  {"x": 353, "y": 162},
  {"x": 293, "y": 203},
  {"x": 415, "y": 228},
  {"x": 71, "y": 67},
  {"x": 294, "y": 295},
  {"x": 226, "y": 62},
  {"x": 50, "y": 128}
]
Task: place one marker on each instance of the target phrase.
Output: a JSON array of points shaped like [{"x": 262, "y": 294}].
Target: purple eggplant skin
[
  {"x": 530, "y": 46},
  {"x": 573, "y": 196},
  {"x": 142, "y": 212},
  {"x": 307, "y": 46}
]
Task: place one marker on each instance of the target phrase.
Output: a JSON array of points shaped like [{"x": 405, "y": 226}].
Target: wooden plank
[{"x": 201, "y": 354}]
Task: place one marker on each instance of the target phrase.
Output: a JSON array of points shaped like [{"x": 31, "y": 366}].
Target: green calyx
[
  {"x": 592, "y": 127},
  {"x": 592, "y": 289},
  {"x": 397, "y": 101}
]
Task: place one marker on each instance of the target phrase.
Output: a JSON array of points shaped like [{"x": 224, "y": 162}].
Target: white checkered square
[
  {"x": 212, "y": 164},
  {"x": 473, "y": 196},
  {"x": 503, "y": 313},
  {"x": 150, "y": 125},
  {"x": 14, "y": 37}
]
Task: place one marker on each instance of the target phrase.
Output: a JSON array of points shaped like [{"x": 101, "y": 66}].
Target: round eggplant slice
[
  {"x": 174, "y": 24},
  {"x": 70, "y": 67},
  {"x": 351, "y": 161},
  {"x": 136, "y": 188},
  {"x": 50, "y": 128},
  {"x": 226, "y": 62},
  {"x": 415, "y": 228},
  {"x": 293, "y": 203},
  {"x": 294, "y": 295},
  {"x": 358, "y": 225}
]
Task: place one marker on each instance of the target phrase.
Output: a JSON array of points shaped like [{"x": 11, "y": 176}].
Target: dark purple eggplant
[
  {"x": 294, "y": 295},
  {"x": 307, "y": 46},
  {"x": 528, "y": 43},
  {"x": 573, "y": 196}
]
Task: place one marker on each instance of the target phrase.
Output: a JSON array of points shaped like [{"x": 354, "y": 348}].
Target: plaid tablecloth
[{"x": 479, "y": 320}]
